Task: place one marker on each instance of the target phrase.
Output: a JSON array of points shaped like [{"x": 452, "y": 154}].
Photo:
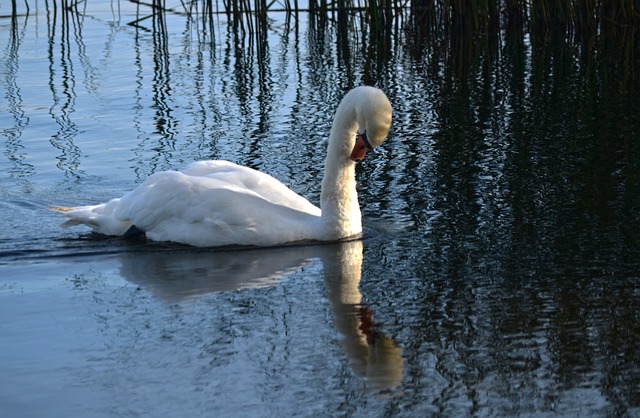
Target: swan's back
[{"x": 210, "y": 203}]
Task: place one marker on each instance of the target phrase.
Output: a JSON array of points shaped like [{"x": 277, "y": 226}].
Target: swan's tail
[
  {"x": 64, "y": 210},
  {"x": 100, "y": 218},
  {"x": 61, "y": 209}
]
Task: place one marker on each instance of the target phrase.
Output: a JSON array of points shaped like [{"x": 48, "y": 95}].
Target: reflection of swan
[
  {"x": 178, "y": 275},
  {"x": 374, "y": 355},
  {"x": 182, "y": 274},
  {"x": 214, "y": 203}
]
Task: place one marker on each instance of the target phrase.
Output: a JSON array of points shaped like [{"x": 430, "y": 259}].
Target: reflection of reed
[
  {"x": 13, "y": 147},
  {"x": 161, "y": 138},
  {"x": 63, "y": 90},
  {"x": 165, "y": 124}
]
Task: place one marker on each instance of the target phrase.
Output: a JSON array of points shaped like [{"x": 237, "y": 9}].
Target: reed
[
  {"x": 482, "y": 16},
  {"x": 463, "y": 16},
  {"x": 419, "y": 24}
]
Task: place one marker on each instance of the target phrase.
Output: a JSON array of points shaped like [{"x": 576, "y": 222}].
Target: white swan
[{"x": 217, "y": 203}]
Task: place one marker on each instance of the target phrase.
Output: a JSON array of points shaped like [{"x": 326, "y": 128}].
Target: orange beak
[{"x": 360, "y": 148}]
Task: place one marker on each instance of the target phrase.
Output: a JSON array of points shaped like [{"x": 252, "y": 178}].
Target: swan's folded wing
[
  {"x": 251, "y": 180},
  {"x": 206, "y": 211}
]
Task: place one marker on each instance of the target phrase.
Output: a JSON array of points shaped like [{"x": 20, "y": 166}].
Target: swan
[{"x": 219, "y": 203}]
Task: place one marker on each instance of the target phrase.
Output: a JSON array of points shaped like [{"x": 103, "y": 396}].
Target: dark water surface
[{"x": 500, "y": 270}]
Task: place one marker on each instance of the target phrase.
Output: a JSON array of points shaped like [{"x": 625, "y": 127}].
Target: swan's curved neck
[{"x": 341, "y": 215}]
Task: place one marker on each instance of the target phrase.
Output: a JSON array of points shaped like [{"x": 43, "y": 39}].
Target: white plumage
[{"x": 216, "y": 203}]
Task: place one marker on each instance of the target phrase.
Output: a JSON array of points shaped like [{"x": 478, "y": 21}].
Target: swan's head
[{"x": 373, "y": 114}]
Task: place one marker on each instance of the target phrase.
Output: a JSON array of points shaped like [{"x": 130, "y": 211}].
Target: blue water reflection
[{"x": 499, "y": 272}]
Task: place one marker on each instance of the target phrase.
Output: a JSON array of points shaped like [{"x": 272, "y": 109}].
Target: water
[{"x": 498, "y": 275}]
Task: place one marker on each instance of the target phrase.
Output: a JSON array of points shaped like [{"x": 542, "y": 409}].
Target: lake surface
[{"x": 499, "y": 273}]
